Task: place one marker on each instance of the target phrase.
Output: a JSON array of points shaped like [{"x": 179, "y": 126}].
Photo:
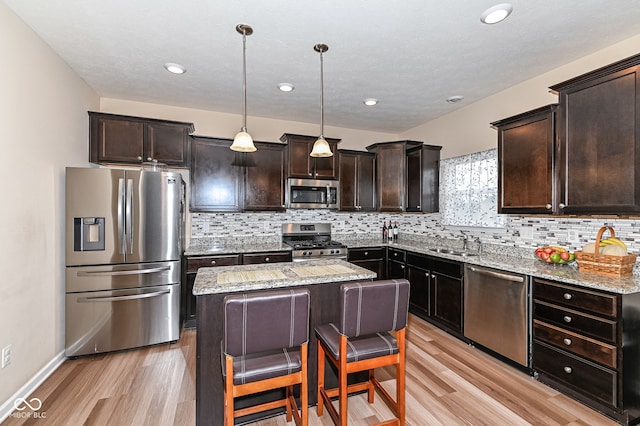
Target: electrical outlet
[
  {"x": 6, "y": 356},
  {"x": 572, "y": 235}
]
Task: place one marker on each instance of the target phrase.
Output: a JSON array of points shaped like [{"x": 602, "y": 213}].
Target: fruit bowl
[{"x": 554, "y": 255}]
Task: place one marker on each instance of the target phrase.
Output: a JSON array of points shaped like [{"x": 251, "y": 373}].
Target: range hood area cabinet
[
  {"x": 121, "y": 139},
  {"x": 423, "y": 179},
  {"x": 599, "y": 140},
  {"x": 223, "y": 180},
  {"x": 526, "y": 144},
  {"x": 303, "y": 166},
  {"x": 357, "y": 181}
]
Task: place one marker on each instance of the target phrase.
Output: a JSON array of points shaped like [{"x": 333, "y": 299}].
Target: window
[{"x": 469, "y": 190}]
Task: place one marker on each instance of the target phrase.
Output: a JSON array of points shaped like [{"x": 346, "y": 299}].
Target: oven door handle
[{"x": 308, "y": 259}]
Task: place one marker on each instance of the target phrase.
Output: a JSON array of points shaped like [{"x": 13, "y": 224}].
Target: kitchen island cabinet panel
[{"x": 599, "y": 140}]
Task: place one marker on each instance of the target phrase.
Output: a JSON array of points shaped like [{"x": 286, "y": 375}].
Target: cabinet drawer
[
  {"x": 253, "y": 258},
  {"x": 450, "y": 268},
  {"x": 580, "y": 299},
  {"x": 366, "y": 253},
  {"x": 194, "y": 263},
  {"x": 576, "y": 343},
  {"x": 417, "y": 260},
  {"x": 582, "y": 376},
  {"x": 395, "y": 254},
  {"x": 596, "y": 327}
]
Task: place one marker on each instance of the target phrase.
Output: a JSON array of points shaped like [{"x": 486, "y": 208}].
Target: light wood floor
[{"x": 448, "y": 383}]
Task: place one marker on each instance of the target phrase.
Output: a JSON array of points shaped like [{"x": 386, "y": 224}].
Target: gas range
[{"x": 311, "y": 241}]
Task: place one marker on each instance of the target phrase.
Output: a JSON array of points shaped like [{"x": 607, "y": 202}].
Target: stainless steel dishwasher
[{"x": 497, "y": 311}]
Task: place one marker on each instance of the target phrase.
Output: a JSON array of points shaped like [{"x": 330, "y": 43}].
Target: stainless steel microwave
[{"x": 312, "y": 194}]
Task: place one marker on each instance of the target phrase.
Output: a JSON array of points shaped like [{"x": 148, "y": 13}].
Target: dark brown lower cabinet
[
  {"x": 191, "y": 264},
  {"x": 586, "y": 343},
  {"x": 396, "y": 263},
  {"x": 371, "y": 258}
]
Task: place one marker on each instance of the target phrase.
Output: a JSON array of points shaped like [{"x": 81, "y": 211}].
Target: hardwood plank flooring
[{"x": 448, "y": 383}]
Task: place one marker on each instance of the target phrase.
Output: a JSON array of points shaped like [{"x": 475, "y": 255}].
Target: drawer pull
[
  {"x": 568, "y": 370},
  {"x": 213, "y": 262},
  {"x": 266, "y": 259},
  {"x": 567, "y": 342},
  {"x": 366, "y": 253},
  {"x": 567, "y": 318},
  {"x": 568, "y": 296}
]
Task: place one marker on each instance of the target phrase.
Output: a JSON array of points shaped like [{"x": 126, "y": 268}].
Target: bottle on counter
[
  {"x": 395, "y": 232},
  {"x": 385, "y": 232}
]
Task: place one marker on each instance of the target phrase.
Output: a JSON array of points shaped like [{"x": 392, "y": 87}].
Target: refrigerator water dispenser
[{"x": 88, "y": 233}]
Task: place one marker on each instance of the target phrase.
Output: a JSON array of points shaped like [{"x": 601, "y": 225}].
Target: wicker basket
[{"x": 605, "y": 264}]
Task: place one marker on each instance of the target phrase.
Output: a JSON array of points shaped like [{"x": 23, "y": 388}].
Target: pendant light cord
[
  {"x": 244, "y": 80},
  {"x": 321, "y": 96}
]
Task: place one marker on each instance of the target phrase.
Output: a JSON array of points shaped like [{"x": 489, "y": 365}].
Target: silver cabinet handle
[
  {"x": 366, "y": 253},
  {"x": 567, "y": 342},
  {"x": 568, "y": 370},
  {"x": 548, "y": 206},
  {"x": 149, "y": 159},
  {"x": 568, "y": 296},
  {"x": 433, "y": 276},
  {"x": 567, "y": 318},
  {"x": 139, "y": 157},
  {"x": 417, "y": 207},
  {"x": 402, "y": 266},
  {"x": 213, "y": 262},
  {"x": 562, "y": 205},
  {"x": 266, "y": 259}
]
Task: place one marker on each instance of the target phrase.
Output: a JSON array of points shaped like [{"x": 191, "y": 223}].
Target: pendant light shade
[
  {"x": 243, "y": 142},
  {"x": 321, "y": 147}
]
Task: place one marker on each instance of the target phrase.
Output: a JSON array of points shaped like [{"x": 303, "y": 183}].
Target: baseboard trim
[{"x": 25, "y": 391}]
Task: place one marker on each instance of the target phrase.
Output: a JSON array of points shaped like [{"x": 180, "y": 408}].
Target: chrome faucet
[
  {"x": 465, "y": 240},
  {"x": 479, "y": 242}
]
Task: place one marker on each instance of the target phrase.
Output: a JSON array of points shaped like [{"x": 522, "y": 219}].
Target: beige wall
[
  {"x": 217, "y": 124},
  {"x": 467, "y": 130},
  {"x": 43, "y": 124}
]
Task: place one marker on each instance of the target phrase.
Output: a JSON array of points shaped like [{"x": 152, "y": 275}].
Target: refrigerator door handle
[
  {"x": 127, "y": 272},
  {"x": 129, "y": 218},
  {"x": 120, "y": 298},
  {"x": 122, "y": 244}
]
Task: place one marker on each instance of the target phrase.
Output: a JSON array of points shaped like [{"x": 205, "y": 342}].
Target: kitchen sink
[{"x": 453, "y": 252}]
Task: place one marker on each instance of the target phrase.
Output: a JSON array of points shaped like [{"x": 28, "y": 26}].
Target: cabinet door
[
  {"x": 423, "y": 179},
  {"x": 326, "y": 167},
  {"x": 446, "y": 300},
  {"x": 396, "y": 270},
  {"x": 365, "y": 189},
  {"x": 600, "y": 144},
  {"x": 390, "y": 168},
  {"x": 216, "y": 176},
  {"x": 525, "y": 162},
  {"x": 419, "y": 294},
  {"x": 264, "y": 178},
  {"x": 167, "y": 143},
  {"x": 300, "y": 163},
  {"x": 116, "y": 140},
  {"x": 348, "y": 181}
]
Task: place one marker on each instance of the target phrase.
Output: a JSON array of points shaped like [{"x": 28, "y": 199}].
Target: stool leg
[
  {"x": 228, "y": 393},
  {"x": 288, "y": 396},
  {"x": 371, "y": 387},
  {"x": 320, "y": 379},
  {"x": 400, "y": 377},
  {"x": 342, "y": 382},
  {"x": 304, "y": 391}
]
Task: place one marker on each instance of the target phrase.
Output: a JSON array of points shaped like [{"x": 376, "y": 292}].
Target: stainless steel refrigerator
[{"x": 123, "y": 246}]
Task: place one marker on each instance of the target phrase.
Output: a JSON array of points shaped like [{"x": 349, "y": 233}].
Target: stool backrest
[
  {"x": 373, "y": 307},
  {"x": 265, "y": 321}
]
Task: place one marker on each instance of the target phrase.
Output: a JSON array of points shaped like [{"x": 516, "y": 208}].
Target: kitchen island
[{"x": 321, "y": 277}]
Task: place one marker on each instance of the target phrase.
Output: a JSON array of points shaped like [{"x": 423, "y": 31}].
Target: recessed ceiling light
[
  {"x": 496, "y": 13},
  {"x": 370, "y": 101},
  {"x": 286, "y": 87},
  {"x": 455, "y": 99},
  {"x": 175, "y": 68}
]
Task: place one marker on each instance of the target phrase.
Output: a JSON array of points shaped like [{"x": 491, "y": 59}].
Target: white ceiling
[{"x": 410, "y": 54}]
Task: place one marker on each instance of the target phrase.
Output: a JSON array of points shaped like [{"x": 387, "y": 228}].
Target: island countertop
[{"x": 238, "y": 278}]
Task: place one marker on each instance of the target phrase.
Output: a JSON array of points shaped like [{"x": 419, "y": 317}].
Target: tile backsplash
[{"x": 520, "y": 232}]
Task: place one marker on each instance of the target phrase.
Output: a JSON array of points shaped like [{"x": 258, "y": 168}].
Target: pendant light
[
  {"x": 321, "y": 147},
  {"x": 243, "y": 142}
]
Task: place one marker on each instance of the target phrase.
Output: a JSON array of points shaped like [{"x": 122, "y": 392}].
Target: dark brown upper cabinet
[
  {"x": 133, "y": 140},
  {"x": 216, "y": 176},
  {"x": 526, "y": 144},
  {"x": 357, "y": 181},
  {"x": 303, "y": 166},
  {"x": 423, "y": 179},
  {"x": 598, "y": 167},
  {"x": 264, "y": 178},
  {"x": 223, "y": 180},
  {"x": 391, "y": 176}
]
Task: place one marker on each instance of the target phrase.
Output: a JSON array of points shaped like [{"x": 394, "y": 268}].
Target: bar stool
[
  {"x": 265, "y": 347},
  {"x": 361, "y": 342}
]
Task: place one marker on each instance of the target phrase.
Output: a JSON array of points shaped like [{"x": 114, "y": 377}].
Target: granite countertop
[
  {"x": 229, "y": 279},
  {"x": 504, "y": 258}
]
